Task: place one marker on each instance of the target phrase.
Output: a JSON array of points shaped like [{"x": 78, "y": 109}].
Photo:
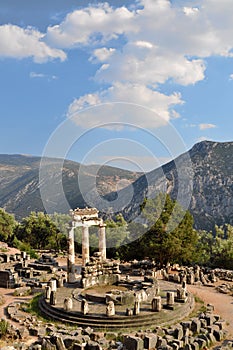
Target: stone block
[
  {"x": 59, "y": 343},
  {"x": 133, "y": 343},
  {"x": 136, "y": 309},
  {"x": 87, "y": 331},
  {"x": 129, "y": 312},
  {"x": 195, "y": 346},
  {"x": 221, "y": 324},
  {"x": 41, "y": 331},
  {"x": 156, "y": 304},
  {"x": 187, "y": 347},
  {"x": 174, "y": 346},
  {"x": 68, "y": 304},
  {"x": 110, "y": 309},
  {"x": 23, "y": 332},
  {"x": 179, "y": 342},
  {"x": 53, "y": 298},
  {"x": 104, "y": 343},
  {"x": 161, "y": 342},
  {"x": 210, "y": 319},
  {"x": 205, "y": 337},
  {"x": 178, "y": 333},
  {"x": 210, "y": 308},
  {"x": 167, "y": 347},
  {"x": 218, "y": 334},
  {"x": 203, "y": 322},
  {"x": 203, "y": 330},
  {"x": 195, "y": 325},
  {"x": 211, "y": 338},
  {"x": 150, "y": 341},
  {"x": 201, "y": 342},
  {"x": 95, "y": 336},
  {"x": 47, "y": 345},
  {"x": 170, "y": 298},
  {"x": 93, "y": 345},
  {"x": 84, "y": 307},
  {"x": 186, "y": 325},
  {"x": 169, "y": 338},
  {"x": 70, "y": 340}
]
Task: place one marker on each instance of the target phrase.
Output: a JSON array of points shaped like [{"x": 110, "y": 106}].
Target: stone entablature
[{"x": 85, "y": 214}]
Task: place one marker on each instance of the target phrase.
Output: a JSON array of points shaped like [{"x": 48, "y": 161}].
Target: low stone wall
[
  {"x": 99, "y": 273},
  {"x": 193, "y": 334}
]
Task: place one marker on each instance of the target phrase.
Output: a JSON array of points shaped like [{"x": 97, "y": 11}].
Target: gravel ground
[{"x": 223, "y": 304}]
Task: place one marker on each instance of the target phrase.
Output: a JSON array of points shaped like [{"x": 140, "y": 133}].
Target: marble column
[
  {"x": 71, "y": 255},
  {"x": 85, "y": 245},
  {"x": 102, "y": 241}
]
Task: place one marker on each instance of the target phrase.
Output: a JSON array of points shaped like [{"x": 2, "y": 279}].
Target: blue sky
[{"x": 126, "y": 83}]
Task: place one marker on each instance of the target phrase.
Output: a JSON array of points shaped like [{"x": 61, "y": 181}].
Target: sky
[{"x": 125, "y": 83}]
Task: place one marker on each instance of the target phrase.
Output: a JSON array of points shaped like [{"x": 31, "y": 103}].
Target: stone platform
[{"x": 97, "y": 318}]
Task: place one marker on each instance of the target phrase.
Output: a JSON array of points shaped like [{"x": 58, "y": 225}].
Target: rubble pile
[{"x": 195, "y": 333}]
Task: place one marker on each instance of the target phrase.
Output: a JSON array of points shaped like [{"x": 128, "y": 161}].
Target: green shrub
[{"x": 4, "y": 325}]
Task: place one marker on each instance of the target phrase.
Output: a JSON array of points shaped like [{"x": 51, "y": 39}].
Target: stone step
[
  {"x": 94, "y": 322},
  {"x": 111, "y": 323}
]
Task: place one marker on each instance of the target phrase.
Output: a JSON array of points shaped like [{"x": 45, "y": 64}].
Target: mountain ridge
[
  {"x": 210, "y": 186},
  {"x": 201, "y": 179},
  {"x": 20, "y": 183}
]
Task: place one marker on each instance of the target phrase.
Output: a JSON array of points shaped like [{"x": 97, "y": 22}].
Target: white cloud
[
  {"x": 103, "y": 54},
  {"x": 206, "y": 126},
  {"x": 41, "y": 75},
  {"x": 37, "y": 75},
  {"x": 138, "y": 48},
  {"x": 162, "y": 41},
  {"x": 19, "y": 43},
  {"x": 91, "y": 24},
  {"x": 81, "y": 103},
  {"x": 144, "y": 44},
  {"x": 231, "y": 77},
  {"x": 151, "y": 68},
  {"x": 190, "y": 11},
  {"x": 132, "y": 98}
]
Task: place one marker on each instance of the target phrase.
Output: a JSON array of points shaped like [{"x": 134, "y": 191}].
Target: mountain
[
  {"x": 21, "y": 183},
  {"x": 201, "y": 180}
]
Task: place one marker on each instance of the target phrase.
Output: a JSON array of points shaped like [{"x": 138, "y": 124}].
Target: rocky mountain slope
[
  {"x": 201, "y": 180},
  {"x": 20, "y": 185}
]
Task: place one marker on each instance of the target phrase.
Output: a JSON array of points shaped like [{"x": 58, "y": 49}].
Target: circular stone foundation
[{"x": 96, "y": 317}]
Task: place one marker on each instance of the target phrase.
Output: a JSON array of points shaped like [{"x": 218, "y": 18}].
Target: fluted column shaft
[
  {"x": 71, "y": 256},
  {"x": 102, "y": 241},
  {"x": 85, "y": 245}
]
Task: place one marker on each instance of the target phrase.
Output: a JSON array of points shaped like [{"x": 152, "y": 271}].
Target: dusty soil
[
  {"x": 223, "y": 304},
  {"x": 10, "y": 298}
]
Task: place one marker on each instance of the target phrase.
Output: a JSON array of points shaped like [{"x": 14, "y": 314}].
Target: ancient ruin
[
  {"x": 84, "y": 218},
  {"x": 135, "y": 300}
]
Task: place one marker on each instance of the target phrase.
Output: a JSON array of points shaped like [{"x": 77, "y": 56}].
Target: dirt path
[
  {"x": 9, "y": 298},
  {"x": 223, "y": 304}
]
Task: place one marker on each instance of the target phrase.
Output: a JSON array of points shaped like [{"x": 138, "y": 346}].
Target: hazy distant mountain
[
  {"x": 20, "y": 187},
  {"x": 211, "y": 188},
  {"x": 201, "y": 179}
]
